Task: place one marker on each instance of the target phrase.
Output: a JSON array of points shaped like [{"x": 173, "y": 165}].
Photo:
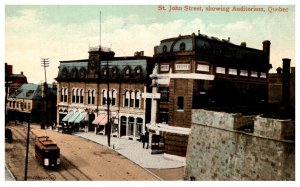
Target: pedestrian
[{"x": 146, "y": 139}]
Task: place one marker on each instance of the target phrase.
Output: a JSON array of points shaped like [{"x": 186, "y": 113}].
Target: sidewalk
[{"x": 133, "y": 150}]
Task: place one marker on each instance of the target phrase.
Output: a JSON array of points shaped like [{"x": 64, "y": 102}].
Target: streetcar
[{"x": 47, "y": 152}]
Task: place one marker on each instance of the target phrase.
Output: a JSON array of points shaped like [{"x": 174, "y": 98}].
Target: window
[
  {"x": 164, "y": 49},
  {"x": 127, "y": 72},
  {"x": 77, "y": 96},
  {"x": 137, "y": 99},
  {"x": 164, "y": 94},
  {"x": 203, "y": 67},
  {"x": 62, "y": 95},
  {"x": 180, "y": 103},
  {"x": 182, "y": 66},
  {"x": 104, "y": 97},
  {"x": 132, "y": 96},
  {"x": 163, "y": 116},
  {"x": 93, "y": 96},
  {"x": 138, "y": 72},
  {"x": 164, "y": 67},
  {"x": 65, "y": 95},
  {"x": 232, "y": 71},
  {"x": 89, "y": 96},
  {"x": 105, "y": 72},
  {"x": 130, "y": 126},
  {"x": 220, "y": 70},
  {"x": 73, "y": 95},
  {"x": 139, "y": 126},
  {"x": 126, "y": 98},
  {"x": 81, "y": 96},
  {"x": 182, "y": 46},
  {"x": 114, "y": 72},
  {"x": 114, "y": 95},
  {"x": 263, "y": 75},
  {"x": 254, "y": 74},
  {"x": 29, "y": 106},
  {"x": 244, "y": 73}
]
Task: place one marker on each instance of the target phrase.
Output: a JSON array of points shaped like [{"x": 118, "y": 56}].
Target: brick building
[
  {"x": 197, "y": 71},
  {"x": 83, "y": 93}
]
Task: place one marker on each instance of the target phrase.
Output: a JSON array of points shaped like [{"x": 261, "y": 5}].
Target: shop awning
[
  {"x": 70, "y": 114},
  {"x": 73, "y": 117},
  {"x": 80, "y": 118},
  {"x": 100, "y": 120}
]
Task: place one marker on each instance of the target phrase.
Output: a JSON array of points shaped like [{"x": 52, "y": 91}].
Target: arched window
[
  {"x": 82, "y": 73},
  {"x": 126, "y": 98},
  {"x": 77, "y": 96},
  {"x": 127, "y": 72},
  {"x": 74, "y": 73},
  {"x": 81, "y": 96},
  {"x": 138, "y": 71},
  {"x": 65, "y": 95},
  {"x": 182, "y": 46},
  {"x": 113, "y": 96},
  {"x": 93, "y": 96},
  {"x": 164, "y": 49},
  {"x": 104, "y": 71},
  {"x": 137, "y": 99},
  {"x": 130, "y": 126},
  {"x": 132, "y": 97},
  {"x": 73, "y": 96},
  {"x": 64, "y": 72},
  {"x": 62, "y": 94},
  {"x": 104, "y": 97},
  {"x": 114, "y": 72}
]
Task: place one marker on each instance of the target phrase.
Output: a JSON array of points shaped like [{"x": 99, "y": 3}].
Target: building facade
[
  {"x": 28, "y": 102},
  {"x": 197, "y": 71},
  {"x": 86, "y": 88}
]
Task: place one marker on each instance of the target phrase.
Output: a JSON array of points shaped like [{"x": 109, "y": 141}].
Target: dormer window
[
  {"x": 127, "y": 72},
  {"x": 114, "y": 72},
  {"x": 105, "y": 71},
  {"x": 182, "y": 46},
  {"x": 164, "y": 49},
  {"x": 138, "y": 71}
]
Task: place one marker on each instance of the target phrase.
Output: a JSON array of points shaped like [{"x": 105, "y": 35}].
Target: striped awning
[
  {"x": 80, "y": 118},
  {"x": 68, "y": 116},
  {"x": 100, "y": 120},
  {"x": 73, "y": 117}
]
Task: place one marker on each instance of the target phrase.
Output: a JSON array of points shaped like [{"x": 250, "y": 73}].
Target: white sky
[{"x": 66, "y": 32}]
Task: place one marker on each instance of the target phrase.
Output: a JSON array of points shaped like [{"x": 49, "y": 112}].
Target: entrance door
[
  {"x": 123, "y": 126},
  {"x": 91, "y": 119}
]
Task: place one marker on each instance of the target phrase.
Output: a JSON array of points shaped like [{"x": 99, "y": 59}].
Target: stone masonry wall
[{"x": 217, "y": 151}]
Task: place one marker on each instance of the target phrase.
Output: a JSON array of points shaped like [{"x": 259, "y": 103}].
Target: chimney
[
  {"x": 228, "y": 39},
  {"x": 142, "y": 53},
  {"x": 21, "y": 72},
  {"x": 286, "y": 81},
  {"x": 155, "y": 49},
  {"x": 266, "y": 48},
  {"x": 198, "y": 32},
  {"x": 243, "y": 44},
  {"x": 279, "y": 70}
]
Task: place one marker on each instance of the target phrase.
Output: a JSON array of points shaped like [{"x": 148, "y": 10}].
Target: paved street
[{"x": 84, "y": 158}]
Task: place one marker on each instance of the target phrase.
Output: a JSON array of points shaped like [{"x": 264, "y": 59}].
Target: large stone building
[
  {"x": 83, "y": 93},
  {"x": 197, "y": 71}
]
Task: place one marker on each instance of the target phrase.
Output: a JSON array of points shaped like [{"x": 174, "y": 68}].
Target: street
[{"x": 81, "y": 159}]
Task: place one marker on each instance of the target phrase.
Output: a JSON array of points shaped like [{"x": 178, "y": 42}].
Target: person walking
[{"x": 146, "y": 139}]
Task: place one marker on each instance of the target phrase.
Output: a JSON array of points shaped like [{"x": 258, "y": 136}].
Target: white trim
[
  {"x": 203, "y": 67},
  {"x": 175, "y": 157},
  {"x": 192, "y": 76},
  {"x": 167, "y": 128},
  {"x": 263, "y": 75}
]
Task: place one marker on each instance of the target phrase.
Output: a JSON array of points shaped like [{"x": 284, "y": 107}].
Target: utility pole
[
  {"x": 108, "y": 126},
  {"x": 45, "y": 63},
  {"x": 27, "y": 147}
]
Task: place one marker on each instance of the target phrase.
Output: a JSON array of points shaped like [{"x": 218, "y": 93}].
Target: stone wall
[{"x": 219, "y": 148}]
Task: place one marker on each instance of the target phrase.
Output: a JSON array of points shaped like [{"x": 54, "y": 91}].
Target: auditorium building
[{"x": 198, "y": 71}]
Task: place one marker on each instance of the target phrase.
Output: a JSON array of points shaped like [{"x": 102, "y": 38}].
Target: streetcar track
[{"x": 64, "y": 168}]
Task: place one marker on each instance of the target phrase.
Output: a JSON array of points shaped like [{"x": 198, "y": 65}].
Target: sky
[{"x": 65, "y": 32}]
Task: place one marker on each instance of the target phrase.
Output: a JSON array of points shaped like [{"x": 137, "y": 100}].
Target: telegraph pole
[
  {"x": 108, "y": 105},
  {"x": 45, "y": 64}
]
